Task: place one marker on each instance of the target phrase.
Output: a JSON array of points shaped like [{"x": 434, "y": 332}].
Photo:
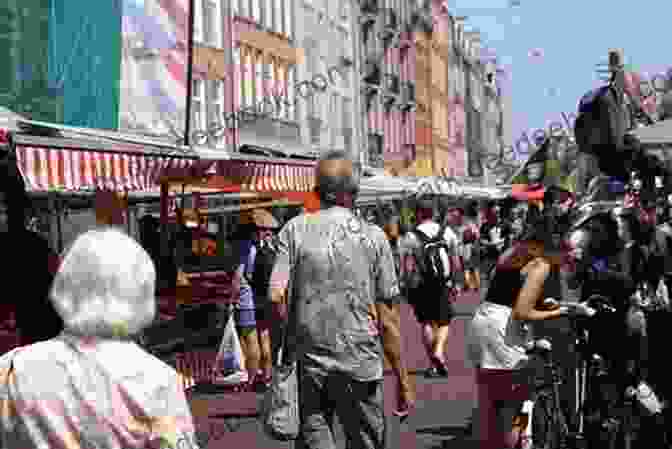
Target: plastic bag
[{"x": 230, "y": 359}]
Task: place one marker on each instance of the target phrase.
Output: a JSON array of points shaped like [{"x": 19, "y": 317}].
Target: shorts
[
  {"x": 246, "y": 318},
  {"x": 437, "y": 308}
]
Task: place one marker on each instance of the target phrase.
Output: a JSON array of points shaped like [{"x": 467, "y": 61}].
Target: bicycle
[
  {"x": 602, "y": 418},
  {"x": 550, "y": 429}
]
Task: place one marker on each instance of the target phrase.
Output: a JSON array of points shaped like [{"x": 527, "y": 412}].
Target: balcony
[
  {"x": 421, "y": 16},
  {"x": 408, "y": 97},
  {"x": 392, "y": 90},
  {"x": 372, "y": 72},
  {"x": 391, "y": 30},
  {"x": 375, "y": 150}
]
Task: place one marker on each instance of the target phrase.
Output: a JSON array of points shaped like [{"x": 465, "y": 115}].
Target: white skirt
[{"x": 495, "y": 340}]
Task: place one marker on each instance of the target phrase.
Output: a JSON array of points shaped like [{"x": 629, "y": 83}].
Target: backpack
[
  {"x": 263, "y": 268},
  {"x": 433, "y": 271}
]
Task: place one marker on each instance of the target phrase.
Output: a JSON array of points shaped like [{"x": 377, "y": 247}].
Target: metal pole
[{"x": 190, "y": 71}]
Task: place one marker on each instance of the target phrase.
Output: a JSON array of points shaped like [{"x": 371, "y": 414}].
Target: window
[
  {"x": 247, "y": 83},
  {"x": 268, "y": 14},
  {"x": 256, "y": 10},
  {"x": 244, "y": 7},
  {"x": 346, "y": 123},
  {"x": 376, "y": 150},
  {"x": 215, "y": 102},
  {"x": 311, "y": 56},
  {"x": 290, "y": 19},
  {"x": 284, "y": 20},
  {"x": 282, "y": 81},
  {"x": 291, "y": 94},
  {"x": 239, "y": 69},
  {"x": 208, "y": 22},
  {"x": 198, "y": 105},
  {"x": 258, "y": 77},
  {"x": 334, "y": 118},
  {"x": 277, "y": 16},
  {"x": 315, "y": 126}
]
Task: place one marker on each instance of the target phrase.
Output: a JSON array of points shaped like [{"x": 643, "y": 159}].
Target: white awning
[
  {"x": 442, "y": 186},
  {"x": 657, "y": 134}
]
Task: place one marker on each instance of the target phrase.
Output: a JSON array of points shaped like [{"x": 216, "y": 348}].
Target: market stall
[
  {"x": 63, "y": 169},
  {"x": 200, "y": 220}
]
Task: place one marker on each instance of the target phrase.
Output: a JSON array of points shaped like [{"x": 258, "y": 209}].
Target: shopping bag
[
  {"x": 280, "y": 405},
  {"x": 230, "y": 358}
]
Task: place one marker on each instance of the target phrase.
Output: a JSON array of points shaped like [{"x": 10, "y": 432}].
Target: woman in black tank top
[{"x": 497, "y": 332}]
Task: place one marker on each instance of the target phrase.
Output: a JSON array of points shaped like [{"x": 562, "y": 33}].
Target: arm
[
  {"x": 387, "y": 308},
  {"x": 280, "y": 277},
  {"x": 524, "y": 307}
]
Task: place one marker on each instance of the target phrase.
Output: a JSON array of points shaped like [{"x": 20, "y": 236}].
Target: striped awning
[
  {"x": 267, "y": 174},
  {"x": 62, "y": 169}
]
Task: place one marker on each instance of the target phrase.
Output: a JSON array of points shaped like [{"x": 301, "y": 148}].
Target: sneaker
[{"x": 435, "y": 372}]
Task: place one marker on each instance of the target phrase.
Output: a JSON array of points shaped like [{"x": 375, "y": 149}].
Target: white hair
[{"x": 105, "y": 286}]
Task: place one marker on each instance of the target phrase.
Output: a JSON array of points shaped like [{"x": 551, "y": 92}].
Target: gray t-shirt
[{"x": 339, "y": 266}]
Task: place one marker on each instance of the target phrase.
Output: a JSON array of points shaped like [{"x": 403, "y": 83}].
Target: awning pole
[
  {"x": 164, "y": 226},
  {"x": 59, "y": 223},
  {"x": 190, "y": 71}
]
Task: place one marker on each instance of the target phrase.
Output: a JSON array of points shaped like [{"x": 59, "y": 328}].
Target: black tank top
[{"x": 505, "y": 286}]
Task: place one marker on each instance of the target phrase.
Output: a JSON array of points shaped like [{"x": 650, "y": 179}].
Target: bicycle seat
[{"x": 540, "y": 346}]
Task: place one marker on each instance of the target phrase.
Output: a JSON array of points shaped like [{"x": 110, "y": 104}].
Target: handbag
[{"x": 280, "y": 406}]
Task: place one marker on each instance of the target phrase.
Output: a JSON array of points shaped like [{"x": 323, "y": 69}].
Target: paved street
[{"x": 443, "y": 408}]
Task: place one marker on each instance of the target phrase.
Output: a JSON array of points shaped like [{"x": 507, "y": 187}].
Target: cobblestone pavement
[{"x": 444, "y": 406}]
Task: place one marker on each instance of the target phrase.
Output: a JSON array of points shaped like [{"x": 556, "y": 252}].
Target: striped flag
[{"x": 153, "y": 80}]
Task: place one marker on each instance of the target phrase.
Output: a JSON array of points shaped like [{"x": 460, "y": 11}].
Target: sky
[{"x": 567, "y": 40}]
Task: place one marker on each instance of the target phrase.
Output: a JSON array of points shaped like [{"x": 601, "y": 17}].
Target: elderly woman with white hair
[{"x": 92, "y": 385}]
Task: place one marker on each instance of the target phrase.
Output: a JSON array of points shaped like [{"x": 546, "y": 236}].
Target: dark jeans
[{"x": 358, "y": 405}]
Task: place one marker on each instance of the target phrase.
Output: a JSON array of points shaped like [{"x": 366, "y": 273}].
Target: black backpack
[
  {"x": 434, "y": 274},
  {"x": 263, "y": 268}
]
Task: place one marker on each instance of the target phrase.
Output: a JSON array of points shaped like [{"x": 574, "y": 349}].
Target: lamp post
[{"x": 190, "y": 71}]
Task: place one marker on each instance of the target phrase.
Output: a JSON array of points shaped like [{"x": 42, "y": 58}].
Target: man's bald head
[{"x": 336, "y": 180}]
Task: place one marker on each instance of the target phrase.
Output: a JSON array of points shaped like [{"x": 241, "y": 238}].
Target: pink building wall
[{"x": 397, "y": 126}]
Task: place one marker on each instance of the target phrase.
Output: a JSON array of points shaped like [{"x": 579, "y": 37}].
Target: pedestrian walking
[
  {"x": 431, "y": 299},
  {"x": 92, "y": 386},
  {"x": 338, "y": 273},
  {"x": 471, "y": 250}
]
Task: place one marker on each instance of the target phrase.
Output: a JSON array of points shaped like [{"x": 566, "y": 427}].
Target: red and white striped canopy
[
  {"x": 269, "y": 176},
  {"x": 49, "y": 169}
]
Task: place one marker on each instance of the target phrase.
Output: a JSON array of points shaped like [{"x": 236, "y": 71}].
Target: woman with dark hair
[
  {"x": 245, "y": 314},
  {"x": 498, "y": 335}
]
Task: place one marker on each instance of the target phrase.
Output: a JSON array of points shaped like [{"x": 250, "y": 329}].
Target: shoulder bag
[{"x": 280, "y": 407}]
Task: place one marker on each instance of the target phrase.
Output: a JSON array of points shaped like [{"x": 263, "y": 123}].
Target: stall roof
[{"x": 55, "y": 158}]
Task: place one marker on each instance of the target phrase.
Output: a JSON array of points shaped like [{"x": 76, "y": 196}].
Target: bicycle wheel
[{"x": 549, "y": 426}]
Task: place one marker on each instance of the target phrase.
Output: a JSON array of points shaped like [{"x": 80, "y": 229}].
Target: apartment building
[
  {"x": 265, "y": 62},
  {"x": 326, "y": 31},
  {"x": 386, "y": 51}
]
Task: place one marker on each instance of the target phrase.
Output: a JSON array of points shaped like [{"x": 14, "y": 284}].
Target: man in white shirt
[{"x": 433, "y": 310}]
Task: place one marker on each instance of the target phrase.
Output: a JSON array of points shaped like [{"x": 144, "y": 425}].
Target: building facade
[
  {"x": 386, "y": 52},
  {"x": 326, "y": 31}
]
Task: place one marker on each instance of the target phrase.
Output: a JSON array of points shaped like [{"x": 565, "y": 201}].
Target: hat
[{"x": 260, "y": 218}]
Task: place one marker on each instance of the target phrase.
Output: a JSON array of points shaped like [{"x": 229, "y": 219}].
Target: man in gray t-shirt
[{"x": 343, "y": 294}]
